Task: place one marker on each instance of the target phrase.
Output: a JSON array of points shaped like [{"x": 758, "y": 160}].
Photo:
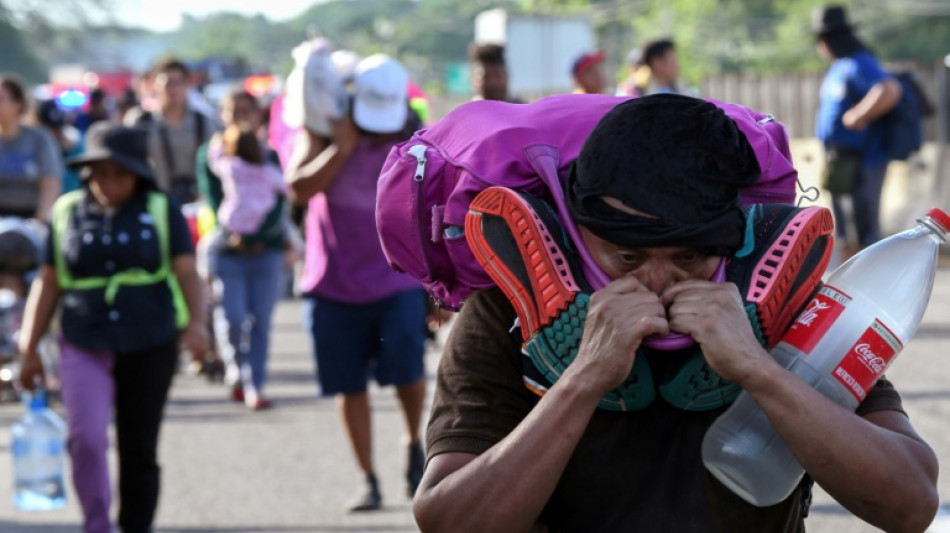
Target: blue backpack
[{"x": 902, "y": 126}]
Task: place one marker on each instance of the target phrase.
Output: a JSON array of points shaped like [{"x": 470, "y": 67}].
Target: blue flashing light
[{"x": 72, "y": 99}]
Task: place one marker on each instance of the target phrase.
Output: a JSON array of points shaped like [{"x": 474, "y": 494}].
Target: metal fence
[{"x": 793, "y": 98}]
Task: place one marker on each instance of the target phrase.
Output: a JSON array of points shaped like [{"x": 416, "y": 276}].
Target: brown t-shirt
[{"x": 632, "y": 471}]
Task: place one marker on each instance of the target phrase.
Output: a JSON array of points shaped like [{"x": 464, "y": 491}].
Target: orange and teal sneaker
[{"x": 520, "y": 242}]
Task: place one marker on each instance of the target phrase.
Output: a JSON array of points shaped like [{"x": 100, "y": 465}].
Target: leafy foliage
[
  {"x": 16, "y": 56},
  {"x": 715, "y": 36},
  {"x": 712, "y": 36},
  {"x": 29, "y": 36}
]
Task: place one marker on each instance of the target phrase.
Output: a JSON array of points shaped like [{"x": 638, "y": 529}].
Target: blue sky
[{"x": 165, "y": 15}]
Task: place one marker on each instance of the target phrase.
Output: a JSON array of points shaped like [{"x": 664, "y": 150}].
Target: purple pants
[{"x": 136, "y": 385}]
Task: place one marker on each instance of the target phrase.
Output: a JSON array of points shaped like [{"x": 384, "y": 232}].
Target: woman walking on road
[
  {"x": 247, "y": 259},
  {"x": 119, "y": 259}
]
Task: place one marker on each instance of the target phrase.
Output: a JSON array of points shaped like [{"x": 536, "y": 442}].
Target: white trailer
[{"x": 539, "y": 49}]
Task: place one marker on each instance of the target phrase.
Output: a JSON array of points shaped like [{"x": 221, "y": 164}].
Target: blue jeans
[
  {"x": 250, "y": 286},
  {"x": 865, "y": 212}
]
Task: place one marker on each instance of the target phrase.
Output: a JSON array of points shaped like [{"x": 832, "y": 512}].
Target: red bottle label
[
  {"x": 867, "y": 359},
  {"x": 812, "y": 324}
]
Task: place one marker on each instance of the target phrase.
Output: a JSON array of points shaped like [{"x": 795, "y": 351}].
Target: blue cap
[{"x": 37, "y": 400}]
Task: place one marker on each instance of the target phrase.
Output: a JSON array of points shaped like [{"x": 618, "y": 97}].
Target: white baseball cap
[{"x": 381, "y": 84}]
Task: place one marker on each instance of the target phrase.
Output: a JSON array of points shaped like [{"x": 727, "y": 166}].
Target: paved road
[{"x": 288, "y": 470}]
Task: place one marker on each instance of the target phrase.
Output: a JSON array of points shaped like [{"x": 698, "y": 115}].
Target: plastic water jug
[
  {"x": 841, "y": 343},
  {"x": 38, "y": 445}
]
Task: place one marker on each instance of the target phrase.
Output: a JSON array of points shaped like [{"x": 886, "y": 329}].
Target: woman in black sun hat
[{"x": 119, "y": 260}]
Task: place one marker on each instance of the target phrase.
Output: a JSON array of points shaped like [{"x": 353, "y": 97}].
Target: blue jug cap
[{"x": 37, "y": 400}]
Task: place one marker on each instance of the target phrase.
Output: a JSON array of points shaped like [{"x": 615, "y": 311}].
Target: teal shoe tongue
[
  {"x": 553, "y": 348},
  {"x": 694, "y": 386}
]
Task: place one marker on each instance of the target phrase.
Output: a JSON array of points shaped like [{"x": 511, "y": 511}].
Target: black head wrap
[{"x": 679, "y": 160}]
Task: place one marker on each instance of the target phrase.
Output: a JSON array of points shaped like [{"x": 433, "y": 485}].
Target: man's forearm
[
  {"x": 507, "y": 487},
  {"x": 876, "y": 103},
  {"x": 315, "y": 176},
  {"x": 876, "y": 467}
]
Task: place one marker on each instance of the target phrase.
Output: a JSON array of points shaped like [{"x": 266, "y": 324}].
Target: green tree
[
  {"x": 426, "y": 35},
  {"x": 232, "y": 36},
  {"x": 17, "y": 56},
  {"x": 35, "y": 34},
  {"x": 715, "y": 36},
  {"x": 712, "y": 36},
  {"x": 905, "y": 31}
]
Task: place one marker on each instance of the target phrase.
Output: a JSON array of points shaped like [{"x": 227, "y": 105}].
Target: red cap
[
  {"x": 940, "y": 216},
  {"x": 585, "y": 61}
]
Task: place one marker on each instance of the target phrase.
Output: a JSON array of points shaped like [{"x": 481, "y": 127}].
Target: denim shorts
[{"x": 354, "y": 343}]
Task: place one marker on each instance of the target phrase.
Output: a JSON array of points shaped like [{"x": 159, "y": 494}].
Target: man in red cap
[{"x": 588, "y": 73}]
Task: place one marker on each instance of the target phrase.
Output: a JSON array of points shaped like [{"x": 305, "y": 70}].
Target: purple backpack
[{"x": 428, "y": 182}]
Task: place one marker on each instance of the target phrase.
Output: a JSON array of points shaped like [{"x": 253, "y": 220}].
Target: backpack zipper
[{"x": 419, "y": 153}]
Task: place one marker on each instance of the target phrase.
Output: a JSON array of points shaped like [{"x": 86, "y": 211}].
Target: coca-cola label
[
  {"x": 867, "y": 359},
  {"x": 820, "y": 313}
]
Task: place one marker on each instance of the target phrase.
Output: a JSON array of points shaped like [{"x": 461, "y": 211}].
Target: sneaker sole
[
  {"x": 541, "y": 284},
  {"x": 778, "y": 287}
]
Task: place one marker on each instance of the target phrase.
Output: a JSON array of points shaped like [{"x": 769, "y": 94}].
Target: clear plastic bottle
[
  {"x": 38, "y": 439},
  {"x": 841, "y": 344}
]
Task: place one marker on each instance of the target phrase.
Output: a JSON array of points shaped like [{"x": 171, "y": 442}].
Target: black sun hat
[
  {"x": 828, "y": 20},
  {"x": 126, "y": 146}
]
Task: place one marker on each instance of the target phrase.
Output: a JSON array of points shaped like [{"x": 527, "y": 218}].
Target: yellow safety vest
[{"x": 157, "y": 205}]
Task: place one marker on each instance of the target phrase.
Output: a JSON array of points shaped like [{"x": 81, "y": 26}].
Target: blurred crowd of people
[
  {"x": 183, "y": 205},
  {"x": 252, "y": 194}
]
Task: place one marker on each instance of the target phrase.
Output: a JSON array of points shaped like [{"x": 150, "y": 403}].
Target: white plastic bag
[{"x": 315, "y": 90}]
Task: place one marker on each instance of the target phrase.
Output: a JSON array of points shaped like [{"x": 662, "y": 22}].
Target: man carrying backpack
[
  {"x": 175, "y": 131},
  {"x": 563, "y": 408},
  {"x": 855, "y": 93}
]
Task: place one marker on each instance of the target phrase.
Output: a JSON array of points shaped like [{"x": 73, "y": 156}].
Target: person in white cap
[{"x": 365, "y": 319}]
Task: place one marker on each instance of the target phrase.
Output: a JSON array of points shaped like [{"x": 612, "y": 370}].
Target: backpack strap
[
  {"x": 157, "y": 205},
  {"x": 199, "y": 129},
  {"x": 166, "y": 148},
  {"x": 158, "y": 209},
  {"x": 59, "y": 218}
]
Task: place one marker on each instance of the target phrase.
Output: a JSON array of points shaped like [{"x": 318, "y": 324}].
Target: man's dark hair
[
  {"x": 17, "y": 89},
  {"x": 167, "y": 65},
  {"x": 128, "y": 98},
  {"x": 97, "y": 96},
  {"x": 656, "y": 49},
  {"x": 486, "y": 53}
]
